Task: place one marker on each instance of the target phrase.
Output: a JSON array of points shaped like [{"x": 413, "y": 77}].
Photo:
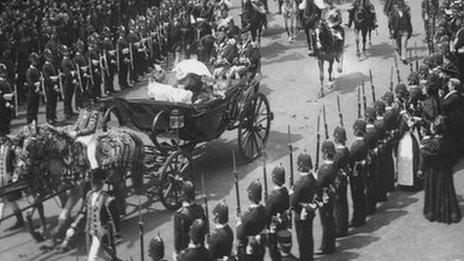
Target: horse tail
[{"x": 138, "y": 167}]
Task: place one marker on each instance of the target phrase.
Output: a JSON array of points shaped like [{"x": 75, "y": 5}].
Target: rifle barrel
[
  {"x": 265, "y": 177},
  {"x": 364, "y": 98},
  {"x": 318, "y": 136},
  {"x": 205, "y": 198},
  {"x": 290, "y": 154},
  {"x": 326, "y": 128},
  {"x": 372, "y": 85},
  {"x": 340, "y": 114},
  {"x": 237, "y": 192},
  {"x": 359, "y": 102}
]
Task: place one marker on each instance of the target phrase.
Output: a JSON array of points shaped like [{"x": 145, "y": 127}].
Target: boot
[{"x": 19, "y": 221}]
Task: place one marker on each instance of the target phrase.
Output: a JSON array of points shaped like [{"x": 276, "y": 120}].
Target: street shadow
[
  {"x": 383, "y": 50},
  {"x": 347, "y": 83},
  {"x": 286, "y": 58},
  {"x": 273, "y": 50},
  {"x": 346, "y": 244}
]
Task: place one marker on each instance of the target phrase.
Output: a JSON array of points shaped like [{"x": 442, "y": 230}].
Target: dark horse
[
  {"x": 400, "y": 24},
  {"x": 328, "y": 49},
  {"x": 364, "y": 21},
  {"x": 309, "y": 16},
  {"x": 254, "y": 16}
]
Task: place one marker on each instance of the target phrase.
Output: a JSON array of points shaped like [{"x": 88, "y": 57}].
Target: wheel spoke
[{"x": 166, "y": 192}]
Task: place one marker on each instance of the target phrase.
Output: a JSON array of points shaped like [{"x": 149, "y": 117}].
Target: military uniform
[
  {"x": 341, "y": 203},
  {"x": 94, "y": 65},
  {"x": 69, "y": 83},
  {"x": 50, "y": 75},
  {"x": 196, "y": 249},
  {"x": 109, "y": 54},
  {"x": 34, "y": 88},
  {"x": 183, "y": 218},
  {"x": 372, "y": 162},
  {"x": 221, "y": 240},
  {"x": 124, "y": 61},
  {"x": 83, "y": 70}
]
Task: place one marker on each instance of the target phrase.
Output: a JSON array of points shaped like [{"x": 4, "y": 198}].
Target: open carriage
[{"x": 176, "y": 128}]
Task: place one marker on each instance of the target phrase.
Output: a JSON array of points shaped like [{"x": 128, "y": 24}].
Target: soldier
[
  {"x": 134, "y": 40},
  {"x": 385, "y": 166},
  {"x": 341, "y": 160},
  {"x": 34, "y": 88},
  {"x": 156, "y": 249},
  {"x": 358, "y": 154},
  {"x": 429, "y": 12},
  {"x": 6, "y": 101},
  {"x": 252, "y": 225},
  {"x": 391, "y": 120},
  {"x": 221, "y": 240},
  {"x": 99, "y": 214},
  {"x": 69, "y": 82},
  {"x": 109, "y": 54},
  {"x": 277, "y": 205},
  {"x": 50, "y": 75},
  {"x": 124, "y": 59},
  {"x": 196, "y": 248},
  {"x": 302, "y": 203},
  {"x": 333, "y": 16},
  {"x": 185, "y": 216},
  {"x": 326, "y": 175},
  {"x": 93, "y": 55},
  {"x": 83, "y": 72},
  {"x": 371, "y": 138}
]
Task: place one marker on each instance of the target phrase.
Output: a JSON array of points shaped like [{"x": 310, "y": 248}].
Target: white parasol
[{"x": 190, "y": 66}]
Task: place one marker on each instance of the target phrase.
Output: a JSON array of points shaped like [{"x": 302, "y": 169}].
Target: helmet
[
  {"x": 156, "y": 248},
  {"x": 304, "y": 162},
  {"x": 370, "y": 114},
  {"x": 47, "y": 54},
  {"x": 221, "y": 212},
  {"x": 33, "y": 57},
  {"x": 65, "y": 50},
  {"x": 255, "y": 191},
  {"x": 197, "y": 231},
  {"x": 388, "y": 98},
  {"x": 79, "y": 46},
  {"x": 106, "y": 32},
  {"x": 328, "y": 147},
  {"x": 379, "y": 107},
  {"x": 188, "y": 191},
  {"x": 339, "y": 134},
  {"x": 278, "y": 175},
  {"x": 359, "y": 127}
]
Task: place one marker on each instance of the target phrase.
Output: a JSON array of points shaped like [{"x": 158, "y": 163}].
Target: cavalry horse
[
  {"x": 254, "y": 16},
  {"x": 400, "y": 24},
  {"x": 289, "y": 12},
  {"x": 309, "y": 14},
  {"x": 363, "y": 19},
  {"x": 328, "y": 49},
  {"x": 57, "y": 164}
]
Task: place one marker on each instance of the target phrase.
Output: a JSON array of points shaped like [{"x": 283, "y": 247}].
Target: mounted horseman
[
  {"x": 363, "y": 15},
  {"x": 254, "y": 14},
  {"x": 329, "y": 39},
  {"x": 309, "y": 14}
]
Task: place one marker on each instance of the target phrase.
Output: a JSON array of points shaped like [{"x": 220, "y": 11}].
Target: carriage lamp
[{"x": 176, "y": 119}]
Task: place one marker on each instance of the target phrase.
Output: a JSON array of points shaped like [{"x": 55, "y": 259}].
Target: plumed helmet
[
  {"x": 304, "y": 162},
  {"x": 413, "y": 78},
  {"x": 278, "y": 175},
  {"x": 221, "y": 212},
  {"x": 328, "y": 147},
  {"x": 255, "y": 191},
  {"x": 379, "y": 107},
  {"x": 33, "y": 58},
  {"x": 339, "y": 134},
  {"x": 79, "y": 46},
  {"x": 156, "y": 248},
  {"x": 401, "y": 91},
  {"x": 370, "y": 114},
  {"x": 47, "y": 54},
  {"x": 65, "y": 50},
  {"x": 197, "y": 231},
  {"x": 359, "y": 127},
  {"x": 188, "y": 191},
  {"x": 388, "y": 98}
]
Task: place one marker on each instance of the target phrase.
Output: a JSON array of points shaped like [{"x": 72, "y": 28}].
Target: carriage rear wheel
[
  {"x": 254, "y": 126},
  {"x": 177, "y": 169}
]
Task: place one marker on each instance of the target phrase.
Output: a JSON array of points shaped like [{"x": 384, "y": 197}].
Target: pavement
[{"x": 291, "y": 82}]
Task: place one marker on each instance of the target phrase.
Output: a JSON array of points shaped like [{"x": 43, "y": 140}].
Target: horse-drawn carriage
[{"x": 176, "y": 128}]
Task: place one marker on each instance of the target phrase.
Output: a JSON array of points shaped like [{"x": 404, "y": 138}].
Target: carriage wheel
[
  {"x": 177, "y": 169},
  {"x": 111, "y": 119},
  {"x": 255, "y": 123}
]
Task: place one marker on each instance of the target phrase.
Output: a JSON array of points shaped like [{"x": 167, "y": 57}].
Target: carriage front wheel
[
  {"x": 254, "y": 126},
  {"x": 177, "y": 169}
]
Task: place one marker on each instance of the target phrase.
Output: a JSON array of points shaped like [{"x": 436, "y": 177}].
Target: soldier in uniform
[
  {"x": 50, "y": 75},
  {"x": 429, "y": 12},
  {"x": 94, "y": 63},
  {"x": 196, "y": 248},
  {"x": 371, "y": 138},
  {"x": 6, "y": 101},
  {"x": 99, "y": 213},
  {"x": 222, "y": 238},
  {"x": 358, "y": 154},
  {"x": 342, "y": 158},
  {"x": 83, "y": 72},
  {"x": 277, "y": 205},
  {"x": 326, "y": 175},
  {"x": 252, "y": 226},
  {"x": 34, "y": 88},
  {"x": 124, "y": 59},
  {"x": 69, "y": 82},
  {"x": 185, "y": 216},
  {"x": 391, "y": 121},
  {"x": 134, "y": 66},
  {"x": 156, "y": 249},
  {"x": 302, "y": 203},
  {"x": 109, "y": 53}
]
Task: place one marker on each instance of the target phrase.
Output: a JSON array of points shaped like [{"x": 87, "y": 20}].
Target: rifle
[
  {"x": 16, "y": 101},
  {"x": 417, "y": 58},
  {"x": 364, "y": 98},
  {"x": 391, "y": 79},
  {"x": 290, "y": 154},
  {"x": 117, "y": 57},
  {"x": 42, "y": 82},
  {"x": 142, "y": 252},
  {"x": 103, "y": 79},
  {"x": 411, "y": 66},
  {"x": 205, "y": 198},
  {"x": 91, "y": 72},
  {"x": 79, "y": 77},
  {"x": 397, "y": 70},
  {"x": 237, "y": 192},
  {"x": 131, "y": 57},
  {"x": 318, "y": 138},
  {"x": 60, "y": 83},
  {"x": 107, "y": 68},
  {"x": 372, "y": 86},
  {"x": 359, "y": 103},
  {"x": 340, "y": 114},
  {"x": 265, "y": 177},
  {"x": 326, "y": 129}
]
